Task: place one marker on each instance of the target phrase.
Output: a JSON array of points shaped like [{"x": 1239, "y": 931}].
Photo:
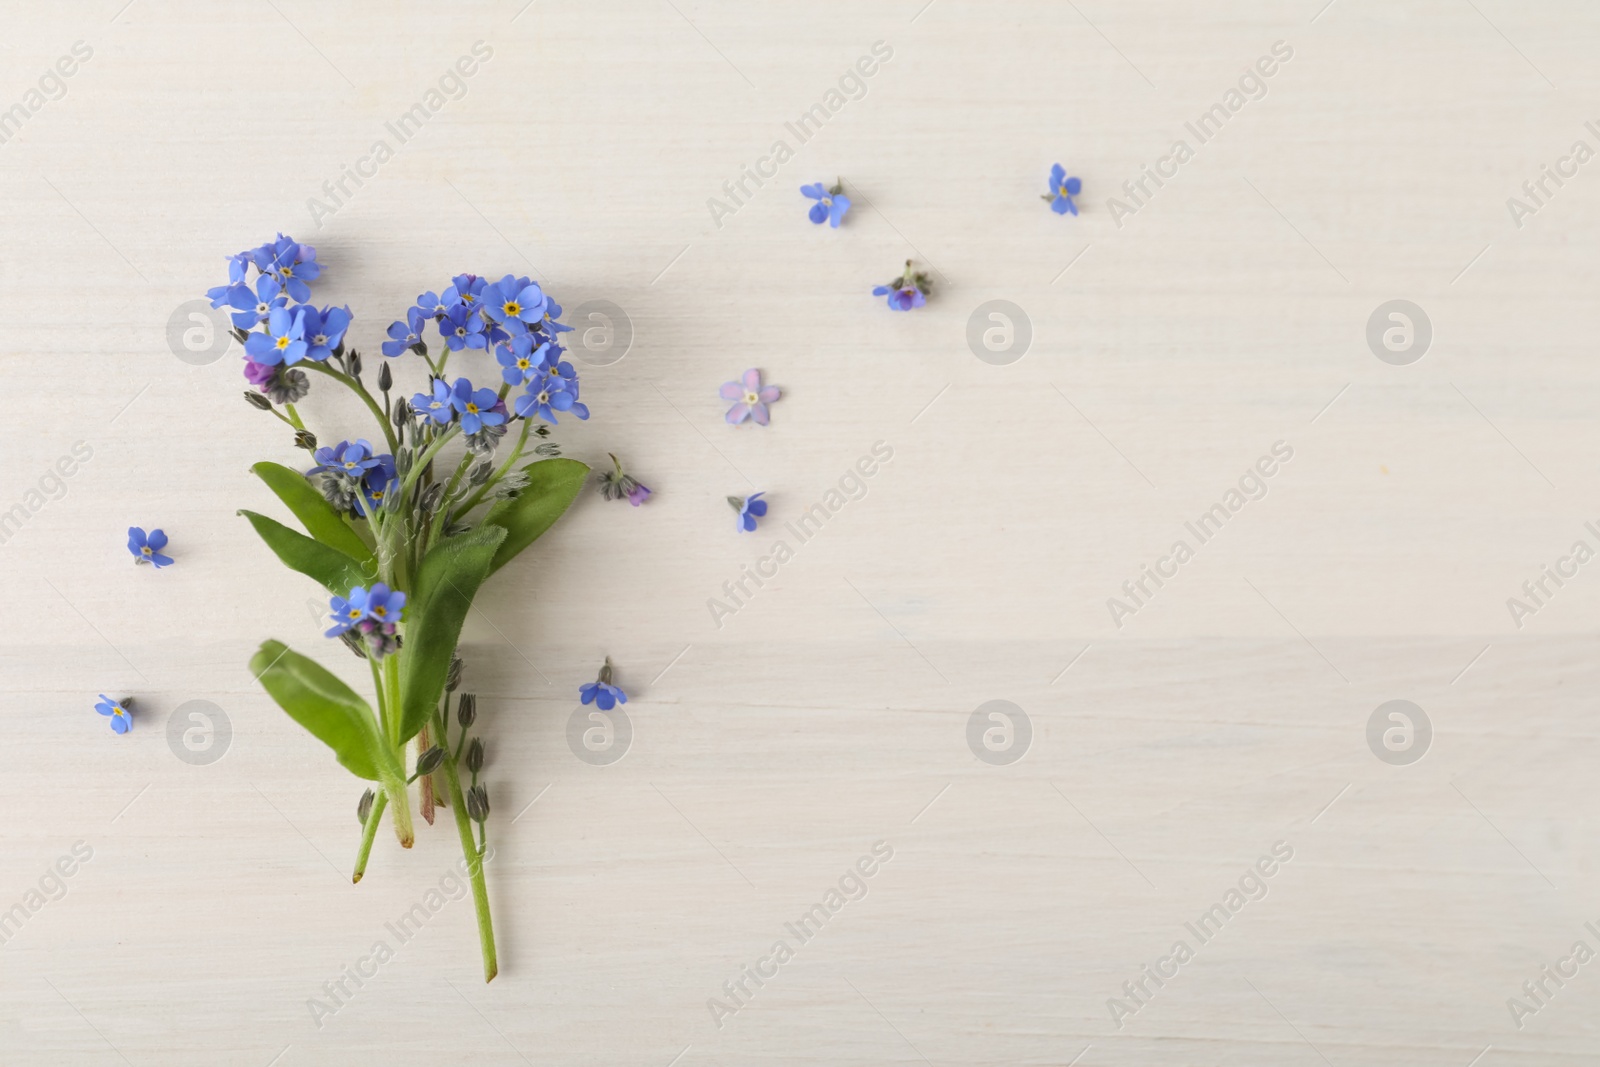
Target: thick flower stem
[
  {"x": 369, "y": 832},
  {"x": 397, "y": 792},
  {"x": 474, "y": 857}
]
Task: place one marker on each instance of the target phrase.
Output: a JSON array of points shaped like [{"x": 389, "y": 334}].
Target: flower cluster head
[
  {"x": 372, "y": 614},
  {"x": 272, "y": 318},
  {"x": 1062, "y": 190},
  {"x": 601, "y": 692},
  {"x": 147, "y": 549},
  {"x": 750, "y": 398},
  {"x": 907, "y": 291},
  {"x": 617, "y": 484},
  {"x": 750, "y": 508},
  {"x": 350, "y": 468},
  {"x": 831, "y": 204}
]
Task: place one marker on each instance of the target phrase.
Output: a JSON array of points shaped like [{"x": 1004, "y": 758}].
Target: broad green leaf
[
  {"x": 335, "y": 570},
  {"x": 553, "y": 484},
  {"x": 437, "y": 606},
  {"x": 334, "y": 713},
  {"x": 314, "y": 512}
]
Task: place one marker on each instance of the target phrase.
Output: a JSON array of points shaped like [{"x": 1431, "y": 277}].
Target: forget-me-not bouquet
[{"x": 405, "y": 524}]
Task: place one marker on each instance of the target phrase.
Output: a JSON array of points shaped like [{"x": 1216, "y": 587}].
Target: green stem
[
  {"x": 423, "y": 460},
  {"x": 474, "y": 857},
  {"x": 360, "y": 390},
  {"x": 494, "y": 479},
  {"x": 370, "y": 831}
]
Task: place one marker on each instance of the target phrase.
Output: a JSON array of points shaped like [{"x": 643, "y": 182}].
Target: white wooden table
[{"x": 1175, "y": 338}]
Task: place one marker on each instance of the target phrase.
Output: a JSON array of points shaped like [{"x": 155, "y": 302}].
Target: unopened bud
[
  {"x": 305, "y": 439},
  {"x": 467, "y": 709},
  {"x": 385, "y": 378},
  {"x": 429, "y": 761},
  {"x": 475, "y": 756},
  {"x": 478, "y": 803},
  {"x": 452, "y": 681},
  {"x": 402, "y": 412},
  {"x": 364, "y": 808},
  {"x": 256, "y": 400},
  {"x": 352, "y": 641},
  {"x": 431, "y": 497}
]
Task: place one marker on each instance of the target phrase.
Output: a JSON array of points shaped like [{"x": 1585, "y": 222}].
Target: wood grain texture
[{"x": 1172, "y": 347}]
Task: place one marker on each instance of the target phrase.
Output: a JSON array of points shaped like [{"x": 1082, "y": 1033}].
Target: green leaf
[
  {"x": 314, "y": 512},
  {"x": 335, "y": 570},
  {"x": 334, "y": 713},
  {"x": 441, "y": 595},
  {"x": 553, "y": 485}
]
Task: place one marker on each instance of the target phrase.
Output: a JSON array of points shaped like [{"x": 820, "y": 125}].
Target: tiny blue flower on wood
[
  {"x": 147, "y": 549},
  {"x": 118, "y": 710},
  {"x": 601, "y": 692},
  {"x": 750, "y": 509},
  {"x": 831, "y": 204},
  {"x": 1062, "y": 190}
]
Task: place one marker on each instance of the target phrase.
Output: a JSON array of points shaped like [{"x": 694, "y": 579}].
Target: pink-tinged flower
[{"x": 750, "y": 399}]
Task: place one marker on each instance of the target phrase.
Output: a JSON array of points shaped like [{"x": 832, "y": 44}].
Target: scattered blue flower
[
  {"x": 830, "y": 204},
  {"x": 750, "y": 509},
  {"x": 476, "y": 406},
  {"x": 601, "y": 692},
  {"x": 749, "y": 397},
  {"x": 121, "y": 717},
  {"x": 1062, "y": 190},
  {"x": 148, "y": 549},
  {"x": 907, "y": 291},
  {"x": 519, "y": 360}
]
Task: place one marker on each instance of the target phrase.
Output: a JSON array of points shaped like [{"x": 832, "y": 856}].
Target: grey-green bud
[
  {"x": 429, "y": 761},
  {"x": 452, "y": 681},
  {"x": 364, "y": 808},
  {"x": 256, "y": 400},
  {"x": 385, "y": 378},
  {"x": 475, "y": 756},
  {"x": 305, "y": 439},
  {"x": 467, "y": 709},
  {"x": 478, "y": 803}
]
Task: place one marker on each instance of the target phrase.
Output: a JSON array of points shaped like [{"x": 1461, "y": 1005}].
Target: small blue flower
[
  {"x": 464, "y": 289},
  {"x": 461, "y": 327},
  {"x": 907, "y": 291},
  {"x": 324, "y": 330},
  {"x": 252, "y": 306},
  {"x": 475, "y": 406},
  {"x": 294, "y": 270},
  {"x": 601, "y": 692},
  {"x": 384, "y": 606},
  {"x": 519, "y": 360},
  {"x": 548, "y": 395},
  {"x": 284, "y": 340},
  {"x": 514, "y": 302},
  {"x": 378, "y": 480},
  {"x": 350, "y": 458},
  {"x": 437, "y": 407},
  {"x": 431, "y": 305},
  {"x": 750, "y": 509},
  {"x": 1062, "y": 190},
  {"x": 347, "y": 611},
  {"x": 148, "y": 549},
  {"x": 121, "y": 717},
  {"x": 404, "y": 335},
  {"x": 552, "y": 312},
  {"x": 830, "y": 204}
]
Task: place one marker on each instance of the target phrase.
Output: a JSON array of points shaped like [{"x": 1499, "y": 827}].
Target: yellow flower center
[
  {"x": 283, "y": 342},
  {"x": 145, "y": 550},
  {"x": 380, "y": 612},
  {"x": 513, "y": 308},
  {"x": 524, "y": 364},
  {"x": 751, "y": 398},
  {"x": 355, "y": 613},
  {"x": 472, "y": 409}
]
